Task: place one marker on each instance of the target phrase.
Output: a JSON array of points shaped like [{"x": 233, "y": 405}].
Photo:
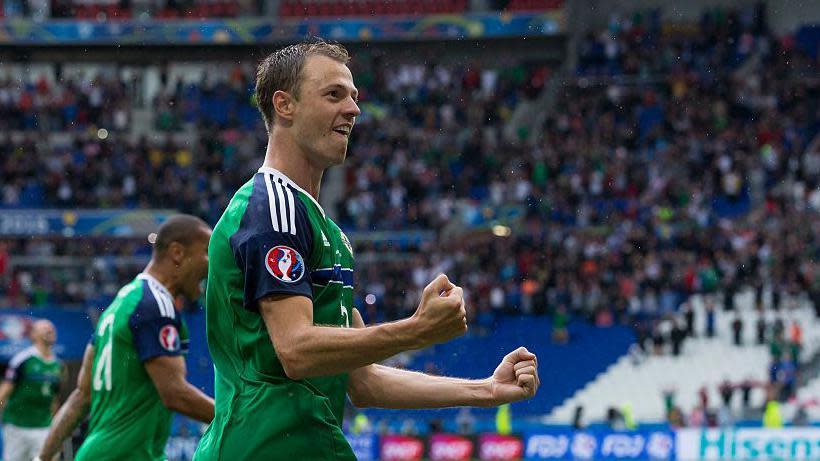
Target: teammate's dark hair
[
  {"x": 181, "y": 228},
  {"x": 282, "y": 70}
]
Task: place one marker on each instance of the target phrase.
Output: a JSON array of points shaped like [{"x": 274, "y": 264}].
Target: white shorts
[{"x": 22, "y": 443}]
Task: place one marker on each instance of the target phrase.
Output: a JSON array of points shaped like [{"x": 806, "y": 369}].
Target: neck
[
  {"x": 43, "y": 348},
  {"x": 285, "y": 155},
  {"x": 163, "y": 276}
]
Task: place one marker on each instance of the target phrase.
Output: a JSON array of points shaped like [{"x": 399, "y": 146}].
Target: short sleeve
[
  {"x": 155, "y": 334},
  {"x": 14, "y": 372},
  {"x": 275, "y": 263}
]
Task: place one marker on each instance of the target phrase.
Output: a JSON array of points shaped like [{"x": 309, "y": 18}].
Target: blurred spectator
[
  {"x": 786, "y": 376},
  {"x": 760, "y": 327},
  {"x": 677, "y": 336},
  {"x": 465, "y": 421},
  {"x": 726, "y": 392},
  {"x": 578, "y": 418},
  {"x": 772, "y": 415},
  {"x": 801, "y": 417},
  {"x": 737, "y": 330},
  {"x": 615, "y": 419},
  {"x": 697, "y": 417},
  {"x": 676, "y": 419},
  {"x": 689, "y": 315},
  {"x": 703, "y": 397},
  {"x": 710, "y": 319},
  {"x": 746, "y": 392},
  {"x": 796, "y": 337}
]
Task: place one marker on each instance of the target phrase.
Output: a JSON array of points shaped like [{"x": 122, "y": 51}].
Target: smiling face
[{"x": 325, "y": 110}]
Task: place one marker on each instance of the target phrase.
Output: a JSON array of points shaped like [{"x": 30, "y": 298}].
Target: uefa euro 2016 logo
[
  {"x": 169, "y": 338},
  {"x": 285, "y": 264}
]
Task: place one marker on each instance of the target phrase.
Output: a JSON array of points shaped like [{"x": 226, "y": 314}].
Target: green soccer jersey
[
  {"x": 36, "y": 383},
  {"x": 273, "y": 238},
  {"x": 128, "y": 419}
]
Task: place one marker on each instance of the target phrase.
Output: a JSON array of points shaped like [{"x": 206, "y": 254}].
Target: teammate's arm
[
  {"x": 73, "y": 410},
  {"x": 516, "y": 378},
  {"x": 307, "y": 350},
  {"x": 6, "y": 388},
  {"x": 177, "y": 394},
  {"x": 55, "y": 402}
]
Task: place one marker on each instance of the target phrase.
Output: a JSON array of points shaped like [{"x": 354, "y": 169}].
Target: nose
[{"x": 351, "y": 110}]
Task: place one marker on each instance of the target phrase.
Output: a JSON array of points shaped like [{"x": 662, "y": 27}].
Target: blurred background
[{"x": 630, "y": 189}]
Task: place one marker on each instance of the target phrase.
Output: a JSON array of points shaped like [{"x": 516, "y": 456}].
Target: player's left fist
[{"x": 516, "y": 377}]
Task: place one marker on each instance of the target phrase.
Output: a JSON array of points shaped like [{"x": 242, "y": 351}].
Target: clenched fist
[
  {"x": 516, "y": 378},
  {"x": 441, "y": 315}
]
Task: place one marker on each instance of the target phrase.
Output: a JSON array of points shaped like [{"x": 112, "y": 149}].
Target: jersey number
[{"x": 102, "y": 375}]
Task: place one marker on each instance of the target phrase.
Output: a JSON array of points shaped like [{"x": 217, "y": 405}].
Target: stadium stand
[{"x": 704, "y": 362}]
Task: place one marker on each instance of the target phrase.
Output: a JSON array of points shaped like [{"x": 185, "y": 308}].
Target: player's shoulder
[
  {"x": 22, "y": 356},
  {"x": 275, "y": 205},
  {"x": 156, "y": 301}
]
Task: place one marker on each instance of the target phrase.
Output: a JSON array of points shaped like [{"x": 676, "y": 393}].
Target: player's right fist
[{"x": 441, "y": 315}]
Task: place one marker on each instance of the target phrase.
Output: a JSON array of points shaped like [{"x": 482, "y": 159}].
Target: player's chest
[
  {"x": 332, "y": 258},
  {"x": 331, "y": 273},
  {"x": 39, "y": 372}
]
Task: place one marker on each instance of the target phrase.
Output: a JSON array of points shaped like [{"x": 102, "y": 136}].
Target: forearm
[
  {"x": 322, "y": 351},
  {"x": 65, "y": 421},
  {"x": 377, "y": 385},
  {"x": 193, "y": 403}
]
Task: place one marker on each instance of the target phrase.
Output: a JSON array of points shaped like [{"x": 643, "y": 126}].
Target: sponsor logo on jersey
[
  {"x": 285, "y": 264},
  {"x": 169, "y": 338}
]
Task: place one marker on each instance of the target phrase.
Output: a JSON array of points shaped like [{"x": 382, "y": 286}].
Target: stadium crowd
[
  {"x": 674, "y": 162},
  {"x": 652, "y": 179}
]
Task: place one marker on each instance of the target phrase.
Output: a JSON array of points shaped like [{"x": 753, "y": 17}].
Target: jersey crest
[{"x": 285, "y": 264}]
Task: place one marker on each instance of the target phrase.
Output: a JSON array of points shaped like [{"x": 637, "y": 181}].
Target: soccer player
[
  {"x": 133, "y": 371},
  {"x": 29, "y": 394},
  {"x": 279, "y": 299}
]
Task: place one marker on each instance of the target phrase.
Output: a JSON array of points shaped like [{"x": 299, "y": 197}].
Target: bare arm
[
  {"x": 55, "y": 403},
  {"x": 73, "y": 410},
  {"x": 177, "y": 394},
  {"x": 376, "y": 385},
  {"x": 6, "y": 388},
  {"x": 307, "y": 350}
]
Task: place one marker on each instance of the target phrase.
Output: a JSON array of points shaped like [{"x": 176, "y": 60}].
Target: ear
[
  {"x": 176, "y": 251},
  {"x": 283, "y": 105}
]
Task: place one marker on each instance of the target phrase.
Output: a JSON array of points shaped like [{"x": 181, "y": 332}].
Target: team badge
[
  {"x": 285, "y": 264},
  {"x": 169, "y": 338}
]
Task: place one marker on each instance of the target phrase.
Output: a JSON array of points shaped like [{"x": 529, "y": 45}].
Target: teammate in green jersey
[
  {"x": 133, "y": 371},
  {"x": 29, "y": 394},
  {"x": 280, "y": 283}
]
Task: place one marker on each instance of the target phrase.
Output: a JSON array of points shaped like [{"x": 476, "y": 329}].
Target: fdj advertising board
[{"x": 589, "y": 446}]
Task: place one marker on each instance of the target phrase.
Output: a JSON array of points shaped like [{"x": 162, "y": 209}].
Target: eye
[{"x": 334, "y": 93}]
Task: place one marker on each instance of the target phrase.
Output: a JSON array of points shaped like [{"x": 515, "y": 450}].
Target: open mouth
[{"x": 343, "y": 130}]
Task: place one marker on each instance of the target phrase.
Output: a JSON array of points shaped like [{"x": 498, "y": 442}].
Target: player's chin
[{"x": 338, "y": 157}]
